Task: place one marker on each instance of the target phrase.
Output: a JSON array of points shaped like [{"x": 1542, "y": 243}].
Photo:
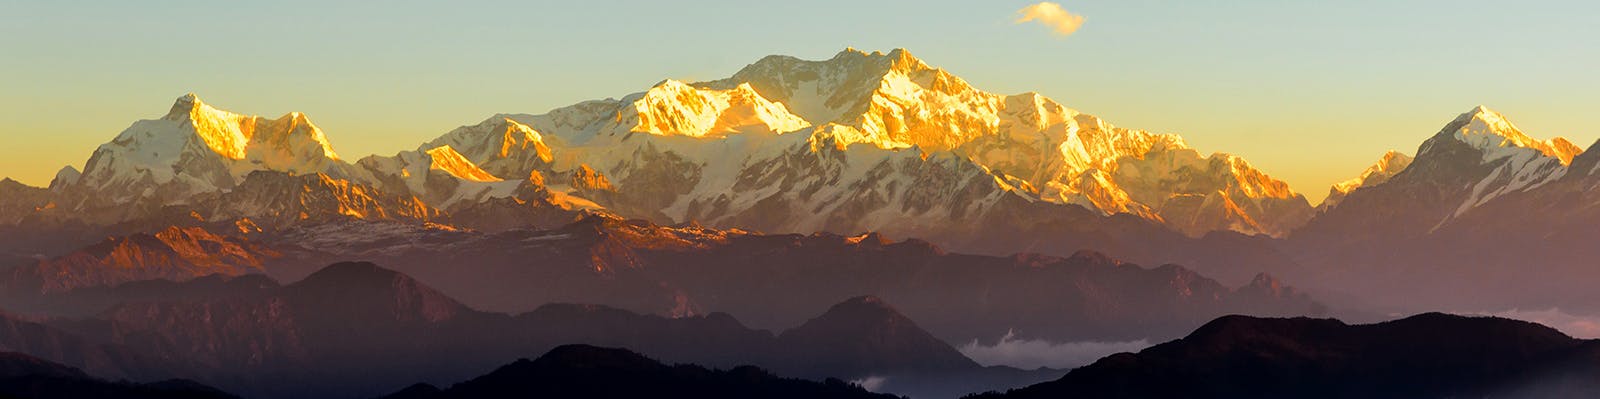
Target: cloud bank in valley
[
  {"x": 1051, "y": 15},
  {"x": 1032, "y": 354},
  {"x": 1578, "y": 326}
]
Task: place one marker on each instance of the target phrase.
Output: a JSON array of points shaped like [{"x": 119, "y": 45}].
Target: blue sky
[{"x": 1311, "y": 92}]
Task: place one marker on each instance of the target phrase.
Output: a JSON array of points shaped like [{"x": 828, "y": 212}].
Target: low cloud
[
  {"x": 1051, "y": 15},
  {"x": 1578, "y": 326},
  {"x": 871, "y": 384},
  {"x": 1032, "y": 354}
]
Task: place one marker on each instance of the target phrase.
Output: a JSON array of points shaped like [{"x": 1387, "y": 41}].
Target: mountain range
[
  {"x": 359, "y": 330},
  {"x": 709, "y": 222},
  {"x": 858, "y": 142}
]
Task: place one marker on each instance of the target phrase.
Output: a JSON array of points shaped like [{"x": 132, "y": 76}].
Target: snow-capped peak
[
  {"x": 1392, "y": 163},
  {"x": 199, "y": 148},
  {"x": 1517, "y": 162},
  {"x": 224, "y": 132},
  {"x": 1490, "y": 131},
  {"x": 67, "y": 176}
]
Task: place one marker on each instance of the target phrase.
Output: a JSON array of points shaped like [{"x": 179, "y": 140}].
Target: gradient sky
[{"x": 1310, "y": 91}]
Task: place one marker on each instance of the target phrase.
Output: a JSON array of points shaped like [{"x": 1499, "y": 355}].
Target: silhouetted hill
[
  {"x": 863, "y": 335},
  {"x": 581, "y": 371},
  {"x": 23, "y": 376},
  {"x": 1425, "y": 356}
]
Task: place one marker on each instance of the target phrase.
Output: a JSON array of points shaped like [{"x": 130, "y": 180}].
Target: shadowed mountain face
[
  {"x": 1424, "y": 356},
  {"x": 23, "y": 376},
  {"x": 355, "y": 329},
  {"x": 581, "y": 371}
]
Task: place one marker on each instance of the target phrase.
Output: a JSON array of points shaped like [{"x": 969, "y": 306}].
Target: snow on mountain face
[
  {"x": 196, "y": 148},
  {"x": 1520, "y": 163},
  {"x": 861, "y": 141},
  {"x": 906, "y": 112},
  {"x": 446, "y": 159},
  {"x": 1476, "y": 159},
  {"x": 675, "y": 108},
  {"x": 1491, "y": 132},
  {"x": 1391, "y": 164},
  {"x": 500, "y": 146}
]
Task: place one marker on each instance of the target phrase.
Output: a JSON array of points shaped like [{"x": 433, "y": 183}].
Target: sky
[{"x": 1311, "y": 92}]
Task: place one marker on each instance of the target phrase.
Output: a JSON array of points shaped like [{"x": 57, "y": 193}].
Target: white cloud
[
  {"x": 871, "y": 383},
  {"x": 1578, "y": 326},
  {"x": 1052, "y": 15},
  {"x": 1032, "y": 354}
]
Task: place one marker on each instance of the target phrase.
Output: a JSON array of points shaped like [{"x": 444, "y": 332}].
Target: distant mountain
[
  {"x": 194, "y": 149},
  {"x": 863, "y": 335},
  {"x": 18, "y": 200},
  {"x": 62, "y": 345},
  {"x": 771, "y": 281},
  {"x": 778, "y": 281},
  {"x": 858, "y": 142},
  {"x": 23, "y": 376},
  {"x": 1391, "y": 164},
  {"x": 90, "y": 301},
  {"x": 1482, "y": 208},
  {"x": 575, "y": 371},
  {"x": 867, "y": 141},
  {"x": 1474, "y": 159},
  {"x": 1424, "y": 356},
  {"x": 355, "y": 329}
]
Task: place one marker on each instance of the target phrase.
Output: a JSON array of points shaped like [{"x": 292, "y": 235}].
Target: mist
[
  {"x": 1033, "y": 354},
  {"x": 1578, "y": 326}
]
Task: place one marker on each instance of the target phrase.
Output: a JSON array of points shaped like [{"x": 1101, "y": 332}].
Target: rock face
[{"x": 1247, "y": 357}]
